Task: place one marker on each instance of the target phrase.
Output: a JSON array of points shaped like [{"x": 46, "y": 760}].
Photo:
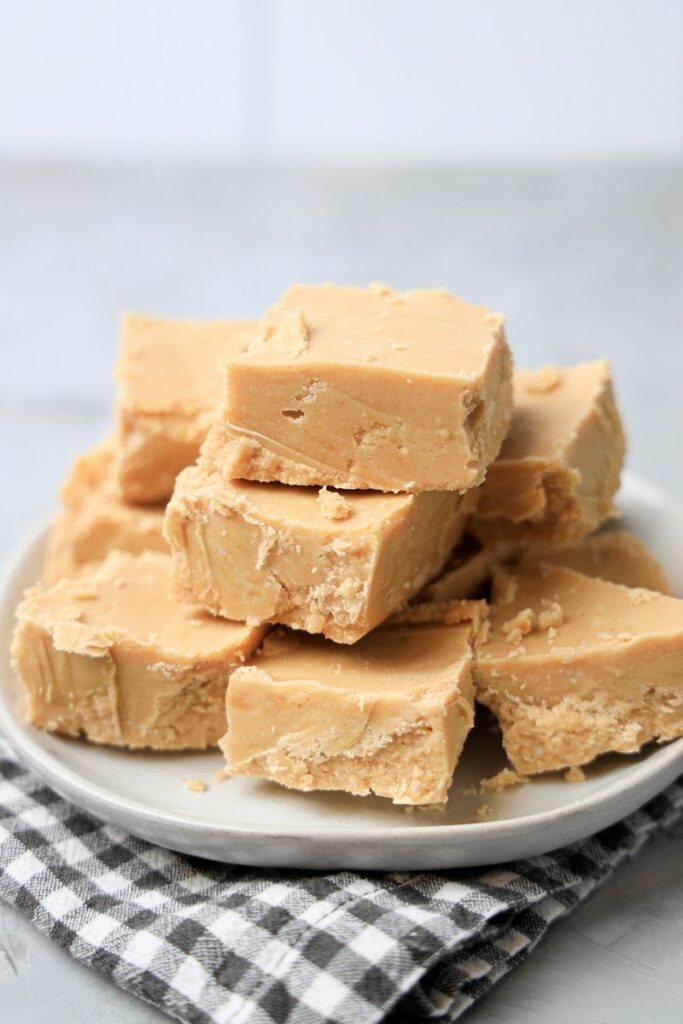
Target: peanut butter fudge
[
  {"x": 271, "y": 553},
  {"x": 575, "y": 667},
  {"x": 614, "y": 555},
  {"x": 367, "y": 388},
  {"x": 388, "y": 715},
  {"x": 113, "y": 657},
  {"x": 94, "y": 519},
  {"x": 170, "y": 380},
  {"x": 559, "y": 466}
]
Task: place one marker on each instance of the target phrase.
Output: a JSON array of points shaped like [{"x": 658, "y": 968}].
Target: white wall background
[{"x": 425, "y": 80}]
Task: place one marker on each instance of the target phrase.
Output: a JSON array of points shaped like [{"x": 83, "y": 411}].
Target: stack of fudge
[{"x": 318, "y": 539}]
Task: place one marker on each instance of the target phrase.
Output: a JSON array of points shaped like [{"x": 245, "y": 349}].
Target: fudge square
[
  {"x": 113, "y": 657},
  {"x": 367, "y": 388},
  {"x": 575, "y": 667},
  {"x": 388, "y": 715},
  {"x": 170, "y": 380},
  {"x": 94, "y": 519},
  {"x": 320, "y": 561},
  {"x": 560, "y": 463}
]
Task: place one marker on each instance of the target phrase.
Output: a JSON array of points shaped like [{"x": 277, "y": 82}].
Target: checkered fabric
[{"x": 210, "y": 943}]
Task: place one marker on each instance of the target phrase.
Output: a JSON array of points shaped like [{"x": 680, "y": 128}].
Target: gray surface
[{"x": 584, "y": 263}]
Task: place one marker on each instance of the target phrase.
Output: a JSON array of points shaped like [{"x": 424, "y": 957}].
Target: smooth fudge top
[
  {"x": 549, "y": 407},
  {"x": 399, "y": 655},
  {"x": 128, "y": 598},
  {"x": 426, "y": 332},
  {"x": 550, "y": 612},
  {"x": 175, "y": 366}
]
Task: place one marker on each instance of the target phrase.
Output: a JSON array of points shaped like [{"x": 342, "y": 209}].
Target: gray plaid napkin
[{"x": 210, "y": 943}]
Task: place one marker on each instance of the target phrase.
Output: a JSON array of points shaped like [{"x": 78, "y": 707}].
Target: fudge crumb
[
  {"x": 520, "y": 626},
  {"x": 484, "y": 810},
  {"x": 503, "y": 780},
  {"x": 575, "y": 774},
  {"x": 333, "y": 505},
  {"x": 470, "y": 791},
  {"x": 544, "y": 380},
  {"x": 195, "y": 785},
  {"x": 552, "y": 614}
]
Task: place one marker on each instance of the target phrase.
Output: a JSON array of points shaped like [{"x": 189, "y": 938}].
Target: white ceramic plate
[{"x": 252, "y": 822}]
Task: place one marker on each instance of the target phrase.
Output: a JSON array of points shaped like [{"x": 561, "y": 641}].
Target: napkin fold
[{"x": 212, "y": 943}]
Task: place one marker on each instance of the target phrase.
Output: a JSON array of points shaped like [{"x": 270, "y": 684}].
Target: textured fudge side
[
  {"x": 95, "y": 520},
  {"x": 114, "y": 657},
  {"x": 559, "y": 466},
  {"x": 367, "y": 388},
  {"x": 388, "y": 715},
  {"x": 575, "y": 667},
  {"x": 273, "y": 553},
  {"x": 614, "y": 555},
  {"x": 170, "y": 380}
]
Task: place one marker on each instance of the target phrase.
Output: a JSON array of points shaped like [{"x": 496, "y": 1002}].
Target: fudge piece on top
[
  {"x": 95, "y": 520},
  {"x": 367, "y": 388},
  {"x": 318, "y": 561},
  {"x": 575, "y": 667},
  {"x": 560, "y": 463},
  {"x": 112, "y": 656},
  {"x": 388, "y": 715},
  {"x": 170, "y": 381}
]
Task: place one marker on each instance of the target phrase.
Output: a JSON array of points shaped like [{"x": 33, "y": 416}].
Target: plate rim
[{"x": 658, "y": 763}]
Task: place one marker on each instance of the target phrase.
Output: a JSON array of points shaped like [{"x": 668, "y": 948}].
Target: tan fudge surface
[
  {"x": 575, "y": 667},
  {"x": 114, "y": 657},
  {"x": 559, "y": 466},
  {"x": 170, "y": 381},
  {"x": 94, "y": 519},
  {"x": 271, "y": 552},
  {"x": 388, "y": 715},
  {"x": 367, "y": 388},
  {"x": 614, "y": 555}
]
